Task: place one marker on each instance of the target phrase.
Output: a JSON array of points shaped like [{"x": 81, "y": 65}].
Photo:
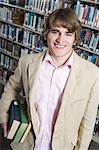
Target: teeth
[{"x": 60, "y": 46}]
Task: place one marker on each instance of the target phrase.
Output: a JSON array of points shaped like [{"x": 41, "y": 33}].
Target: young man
[{"x": 61, "y": 90}]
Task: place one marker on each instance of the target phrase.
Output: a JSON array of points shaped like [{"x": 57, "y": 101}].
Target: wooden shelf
[
  {"x": 7, "y": 68},
  {"x": 90, "y": 1},
  {"x": 22, "y": 8},
  {"x": 90, "y": 27},
  {"x": 10, "y": 55},
  {"x": 19, "y": 26},
  {"x": 11, "y": 40},
  {"x": 86, "y": 49}
]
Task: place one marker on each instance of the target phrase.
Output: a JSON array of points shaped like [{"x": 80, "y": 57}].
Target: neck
[{"x": 60, "y": 61}]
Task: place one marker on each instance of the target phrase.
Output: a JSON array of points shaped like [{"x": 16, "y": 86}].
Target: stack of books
[{"x": 18, "y": 124}]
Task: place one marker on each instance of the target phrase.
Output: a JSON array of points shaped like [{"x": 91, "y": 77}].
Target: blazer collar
[{"x": 73, "y": 82}]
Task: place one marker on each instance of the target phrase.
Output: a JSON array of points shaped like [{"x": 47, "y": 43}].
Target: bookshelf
[
  {"x": 91, "y": 1},
  {"x": 22, "y": 24},
  {"x": 88, "y": 12},
  {"x": 12, "y": 46}
]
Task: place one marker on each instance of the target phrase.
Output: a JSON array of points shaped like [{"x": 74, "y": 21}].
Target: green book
[
  {"x": 14, "y": 119},
  {"x": 24, "y": 123}
]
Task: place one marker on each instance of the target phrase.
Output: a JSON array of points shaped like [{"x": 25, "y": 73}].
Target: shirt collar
[{"x": 68, "y": 63}]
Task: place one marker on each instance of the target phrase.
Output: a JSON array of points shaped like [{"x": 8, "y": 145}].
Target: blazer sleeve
[
  {"x": 12, "y": 88},
  {"x": 89, "y": 118}
]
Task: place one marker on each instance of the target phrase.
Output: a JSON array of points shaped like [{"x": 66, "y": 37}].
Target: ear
[
  {"x": 45, "y": 34},
  {"x": 74, "y": 43},
  {"x": 45, "y": 37}
]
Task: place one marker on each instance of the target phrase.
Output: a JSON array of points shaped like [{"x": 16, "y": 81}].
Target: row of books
[
  {"x": 34, "y": 21},
  {"x": 5, "y": 74},
  {"x": 23, "y": 36},
  {"x": 10, "y": 48},
  {"x": 8, "y": 62},
  {"x": 31, "y": 20},
  {"x": 90, "y": 39},
  {"x": 18, "y": 123},
  {"x": 14, "y": 54},
  {"x": 33, "y": 41},
  {"x": 42, "y": 5},
  {"x": 12, "y": 15},
  {"x": 88, "y": 56},
  {"x": 87, "y": 14},
  {"x": 68, "y": 3},
  {"x": 14, "y": 2},
  {"x": 6, "y": 13},
  {"x": 8, "y": 31},
  {"x": 36, "y": 5}
]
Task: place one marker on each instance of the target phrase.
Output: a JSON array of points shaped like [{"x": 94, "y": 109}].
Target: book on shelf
[
  {"x": 94, "y": 58},
  {"x": 16, "y": 50},
  {"x": 17, "y": 2},
  {"x": 18, "y": 130},
  {"x": 1, "y": 73},
  {"x": 85, "y": 13},
  {"x": 9, "y": 47}
]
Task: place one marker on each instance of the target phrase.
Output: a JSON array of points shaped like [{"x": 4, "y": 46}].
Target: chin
[{"x": 59, "y": 54}]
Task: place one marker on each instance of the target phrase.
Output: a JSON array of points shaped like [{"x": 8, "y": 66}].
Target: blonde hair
[{"x": 63, "y": 18}]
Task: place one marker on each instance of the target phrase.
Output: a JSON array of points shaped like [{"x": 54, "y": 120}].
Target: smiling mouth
[{"x": 59, "y": 46}]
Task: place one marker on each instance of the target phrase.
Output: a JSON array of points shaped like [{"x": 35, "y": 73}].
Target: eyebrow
[{"x": 59, "y": 31}]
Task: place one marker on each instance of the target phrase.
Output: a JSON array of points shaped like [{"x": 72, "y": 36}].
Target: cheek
[
  {"x": 71, "y": 41},
  {"x": 50, "y": 39}
]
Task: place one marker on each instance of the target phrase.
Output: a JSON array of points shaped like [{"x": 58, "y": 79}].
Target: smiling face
[
  {"x": 62, "y": 28},
  {"x": 60, "y": 42}
]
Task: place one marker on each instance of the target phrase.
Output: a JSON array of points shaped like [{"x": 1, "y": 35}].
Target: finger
[{"x": 4, "y": 125}]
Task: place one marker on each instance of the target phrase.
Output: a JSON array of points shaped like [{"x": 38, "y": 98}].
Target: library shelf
[
  {"x": 19, "y": 26},
  {"x": 22, "y": 8},
  {"x": 7, "y": 68},
  {"x": 10, "y": 40},
  {"x": 26, "y": 10},
  {"x": 86, "y": 49},
  {"x": 10, "y": 55},
  {"x": 90, "y": 27},
  {"x": 95, "y": 2}
]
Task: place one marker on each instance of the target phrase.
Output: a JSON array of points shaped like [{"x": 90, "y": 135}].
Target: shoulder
[
  {"x": 30, "y": 58},
  {"x": 86, "y": 67}
]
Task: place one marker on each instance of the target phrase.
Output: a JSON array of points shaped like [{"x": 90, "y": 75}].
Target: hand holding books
[{"x": 18, "y": 123}]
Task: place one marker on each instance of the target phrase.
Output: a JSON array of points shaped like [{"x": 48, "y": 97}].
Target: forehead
[{"x": 60, "y": 29}]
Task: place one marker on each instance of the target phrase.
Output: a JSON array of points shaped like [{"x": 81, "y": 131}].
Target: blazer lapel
[
  {"x": 69, "y": 91},
  {"x": 73, "y": 81},
  {"x": 32, "y": 72}
]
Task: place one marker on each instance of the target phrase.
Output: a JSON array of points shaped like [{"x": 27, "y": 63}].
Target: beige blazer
[{"x": 75, "y": 121}]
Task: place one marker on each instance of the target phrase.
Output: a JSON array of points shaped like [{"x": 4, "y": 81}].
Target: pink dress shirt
[{"x": 50, "y": 84}]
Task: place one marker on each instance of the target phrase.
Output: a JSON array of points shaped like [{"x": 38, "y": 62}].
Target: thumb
[{"x": 4, "y": 126}]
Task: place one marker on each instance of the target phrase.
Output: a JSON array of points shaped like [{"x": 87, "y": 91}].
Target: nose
[{"x": 60, "y": 38}]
